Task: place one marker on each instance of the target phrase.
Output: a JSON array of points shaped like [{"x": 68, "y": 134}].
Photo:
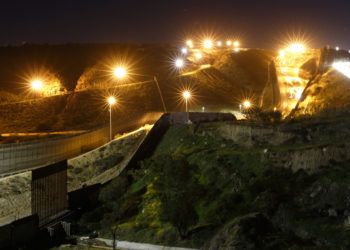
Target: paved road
[{"x": 127, "y": 245}]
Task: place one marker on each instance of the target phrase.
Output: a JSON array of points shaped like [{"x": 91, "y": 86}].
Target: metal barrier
[{"x": 19, "y": 157}]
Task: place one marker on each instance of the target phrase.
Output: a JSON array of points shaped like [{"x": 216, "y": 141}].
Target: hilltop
[{"x": 84, "y": 72}]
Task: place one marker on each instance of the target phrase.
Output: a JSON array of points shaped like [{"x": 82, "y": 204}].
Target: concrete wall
[{"x": 19, "y": 157}]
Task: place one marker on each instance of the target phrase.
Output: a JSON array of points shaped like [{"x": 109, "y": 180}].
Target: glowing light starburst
[
  {"x": 111, "y": 100},
  {"x": 37, "y": 85},
  {"x": 120, "y": 72},
  {"x": 179, "y": 63},
  {"x": 207, "y": 43},
  {"x": 247, "y": 104},
  {"x": 295, "y": 42}
]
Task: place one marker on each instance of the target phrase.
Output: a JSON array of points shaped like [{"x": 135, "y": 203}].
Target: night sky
[{"x": 260, "y": 23}]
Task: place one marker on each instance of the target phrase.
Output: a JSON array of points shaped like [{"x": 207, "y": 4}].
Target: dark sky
[{"x": 260, "y": 23}]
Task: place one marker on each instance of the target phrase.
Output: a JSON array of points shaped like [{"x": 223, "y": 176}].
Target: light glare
[
  {"x": 296, "y": 48},
  {"x": 186, "y": 94},
  {"x": 247, "y": 104},
  {"x": 207, "y": 44},
  {"x": 198, "y": 55},
  {"x": 342, "y": 67},
  {"x": 179, "y": 63},
  {"x": 37, "y": 85},
  {"x": 189, "y": 43},
  {"x": 111, "y": 100},
  {"x": 119, "y": 72}
]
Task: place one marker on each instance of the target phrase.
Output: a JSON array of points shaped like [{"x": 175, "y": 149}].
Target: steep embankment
[
  {"x": 329, "y": 93},
  {"x": 233, "y": 77},
  {"x": 234, "y": 185}
]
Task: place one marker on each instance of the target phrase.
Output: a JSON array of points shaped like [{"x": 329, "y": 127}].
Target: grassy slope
[{"x": 236, "y": 191}]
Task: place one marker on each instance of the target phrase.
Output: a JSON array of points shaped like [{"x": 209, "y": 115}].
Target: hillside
[
  {"x": 328, "y": 94},
  {"x": 84, "y": 70},
  {"x": 232, "y": 185}
]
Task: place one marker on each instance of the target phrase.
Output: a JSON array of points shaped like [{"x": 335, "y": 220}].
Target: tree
[
  {"x": 114, "y": 230},
  {"x": 177, "y": 189}
]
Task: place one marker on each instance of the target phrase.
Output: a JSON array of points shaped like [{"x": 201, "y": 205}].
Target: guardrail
[{"x": 24, "y": 156}]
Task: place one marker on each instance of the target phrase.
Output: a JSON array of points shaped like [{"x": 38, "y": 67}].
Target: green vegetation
[{"x": 199, "y": 189}]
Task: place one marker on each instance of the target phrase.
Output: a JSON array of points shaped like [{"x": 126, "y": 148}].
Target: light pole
[
  {"x": 111, "y": 101},
  {"x": 160, "y": 93},
  {"x": 155, "y": 80},
  {"x": 186, "y": 95}
]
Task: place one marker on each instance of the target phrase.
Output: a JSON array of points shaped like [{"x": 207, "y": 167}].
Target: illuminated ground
[{"x": 220, "y": 81}]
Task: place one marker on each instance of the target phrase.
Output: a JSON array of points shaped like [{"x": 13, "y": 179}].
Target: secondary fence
[{"x": 19, "y": 157}]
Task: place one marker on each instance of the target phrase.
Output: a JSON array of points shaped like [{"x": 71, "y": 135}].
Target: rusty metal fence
[{"x": 23, "y": 156}]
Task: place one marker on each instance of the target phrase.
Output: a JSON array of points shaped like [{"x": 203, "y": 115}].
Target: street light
[
  {"x": 186, "y": 95},
  {"x": 37, "y": 85},
  {"x": 111, "y": 101},
  {"x": 184, "y": 50},
  {"x": 296, "y": 48},
  {"x": 247, "y": 104},
  {"x": 179, "y": 63},
  {"x": 198, "y": 55},
  {"x": 236, "y": 44},
  {"x": 120, "y": 72},
  {"x": 189, "y": 43},
  {"x": 207, "y": 44}
]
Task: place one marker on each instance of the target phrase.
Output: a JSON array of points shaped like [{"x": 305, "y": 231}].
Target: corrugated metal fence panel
[{"x": 23, "y": 156}]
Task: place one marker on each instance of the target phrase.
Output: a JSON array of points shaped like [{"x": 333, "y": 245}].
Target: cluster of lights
[
  {"x": 208, "y": 44},
  {"x": 205, "y": 45},
  {"x": 294, "y": 48}
]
